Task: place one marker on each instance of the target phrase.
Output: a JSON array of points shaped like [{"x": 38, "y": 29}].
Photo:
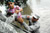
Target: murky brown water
[{"x": 27, "y": 10}]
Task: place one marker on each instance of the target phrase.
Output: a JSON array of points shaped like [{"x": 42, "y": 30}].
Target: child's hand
[{"x": 17, "y": 11}]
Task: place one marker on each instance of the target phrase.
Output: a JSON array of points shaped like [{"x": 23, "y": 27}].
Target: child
[{"x": 14, "y": 9}]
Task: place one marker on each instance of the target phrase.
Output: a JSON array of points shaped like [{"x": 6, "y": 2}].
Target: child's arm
[{"x": 19, "y": 9}]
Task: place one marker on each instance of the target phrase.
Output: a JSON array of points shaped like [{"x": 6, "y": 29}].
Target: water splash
[{"x": 6, "y": 28}]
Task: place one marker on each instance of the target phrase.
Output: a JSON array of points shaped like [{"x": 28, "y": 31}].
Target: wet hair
[
  {"x": 6, "y": 1},
  {"x": 9, "y": 0}
]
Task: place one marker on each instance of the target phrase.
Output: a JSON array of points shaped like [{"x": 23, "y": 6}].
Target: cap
[{"x": 36, "y": 16}]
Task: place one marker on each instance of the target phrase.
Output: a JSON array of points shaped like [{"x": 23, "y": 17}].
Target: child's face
[{"x": 11, "y": 5}]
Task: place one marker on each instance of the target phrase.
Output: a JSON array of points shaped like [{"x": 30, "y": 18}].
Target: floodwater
[{"x": 42, "y": 8}]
